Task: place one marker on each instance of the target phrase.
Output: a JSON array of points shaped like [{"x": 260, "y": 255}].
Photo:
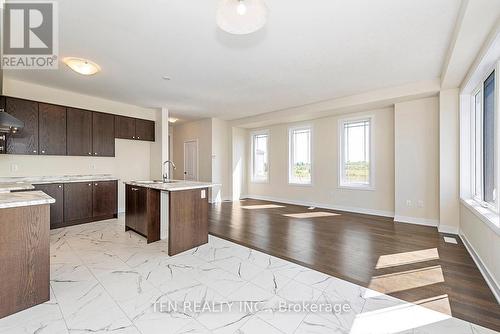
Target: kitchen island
[{"x": 173, "y": 209}]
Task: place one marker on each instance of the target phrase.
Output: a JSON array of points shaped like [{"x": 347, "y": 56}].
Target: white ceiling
[{"x": 309, "y": 51}]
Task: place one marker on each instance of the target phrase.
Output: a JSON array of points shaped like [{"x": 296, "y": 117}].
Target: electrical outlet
[
  {"x": 408, "y": 203},
  {"x": 93, "y": 166},
  {"x": 420, "y": 204},
  {"x": 14, "y": 167},
  {"x": 203, "y": 193}
]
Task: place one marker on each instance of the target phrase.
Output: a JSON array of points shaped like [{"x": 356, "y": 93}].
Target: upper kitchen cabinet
[
  {"x": 52, "y": 129},
  {"x": 124, "y": 127},
  {"x": 144, "y": 130},
  {"x": 79, "y": 132},
  {"x": 26, "y": 140},
  {"x": 103, "y": 129}
]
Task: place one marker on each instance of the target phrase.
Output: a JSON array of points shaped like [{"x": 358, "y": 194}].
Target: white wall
[
  {"x": 239, "y": 156},
  {"x": 417, "y": 161},
  {"x": 221, "y": 162},
  {"x": 133, "y": 158},
  {"x": 449, "y": 159},
  {"x": 325, "y": 191}
]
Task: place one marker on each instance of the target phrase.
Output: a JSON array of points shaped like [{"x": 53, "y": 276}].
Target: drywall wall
[
  {"x": 449, "y": 159},
  {"x": 239, "y": 163},
  {"x": 221, "y": 148},
  {"x": 198, "y": 130},
  {"x": 325, "y": 191},
  {"x": 416, "y": 133},
  {"x": 483, "y": 244},
  {"x": 133, "y": 158}
]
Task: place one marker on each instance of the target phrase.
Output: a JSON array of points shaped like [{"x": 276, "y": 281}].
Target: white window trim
[
  {"x": 291, "y": 129},
  {"x": 351, "y": 186},
  {"x": 252, "y": 135}
]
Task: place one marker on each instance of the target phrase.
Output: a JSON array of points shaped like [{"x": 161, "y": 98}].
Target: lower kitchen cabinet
[
  {"x": 105, "y": 201},
  {"x": 142, "y": 208},
  {"x": 56, "y": 191},
  {"x": 77, "y": 202}
]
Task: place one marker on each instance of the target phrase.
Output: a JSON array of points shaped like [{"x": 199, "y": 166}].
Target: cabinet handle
[
  {"x": 90, "y": 184},
  {"x": 34, "y": 151},
  {"x": 90, "y": 153},
  {"x": 43, "y": 152},
  {"x": 95, "y": 184},
  {"x": 95, "y": 153},
  {"x": 134, "y": 189},
  {"x": 138, "y": 137},
  {"x": 133, "y": 137},
  {"x": 59, "y": 187}
]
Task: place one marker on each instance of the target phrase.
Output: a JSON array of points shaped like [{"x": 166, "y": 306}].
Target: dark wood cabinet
[
  {"x": 79, "y": 130},
  {"x": 103, "y": 134},
  {"x": 124, "y": 127},
  {"x": 144, "y": 130},
  {"x": 26, "y": 140},
  {"x": 142, "y": 206},
  {"x": 56, "y": 191},
  {"x": 77, "y": 202},
  {"x": 105, "y": 199},
  {"x": 52, "y": 129}
]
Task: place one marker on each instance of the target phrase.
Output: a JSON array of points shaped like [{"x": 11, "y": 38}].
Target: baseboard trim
[
  {"x": 448, "y": 229},
  {"x": 488, "y": 277},
  {"x": 416, "y": 221},
  {"x": 323, "y": 205}
]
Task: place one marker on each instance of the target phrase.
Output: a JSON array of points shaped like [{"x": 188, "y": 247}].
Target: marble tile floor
[{"x": 106, "y": 280}]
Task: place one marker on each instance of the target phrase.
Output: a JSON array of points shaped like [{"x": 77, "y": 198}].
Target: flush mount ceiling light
[
  {"x": 241, "y": 17},
  {"x": 172, "y": 120},
  {"x": 82, "y": 66}
]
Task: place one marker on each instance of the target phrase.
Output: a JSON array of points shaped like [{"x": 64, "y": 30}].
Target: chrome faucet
[{"x": 166, "y": 175}]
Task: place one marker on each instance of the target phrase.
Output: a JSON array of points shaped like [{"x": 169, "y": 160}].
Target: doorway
[{"x": 191, "y": 160}]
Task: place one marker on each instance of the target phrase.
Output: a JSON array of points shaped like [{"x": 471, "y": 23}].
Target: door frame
[{"x": 197, "y": 158}]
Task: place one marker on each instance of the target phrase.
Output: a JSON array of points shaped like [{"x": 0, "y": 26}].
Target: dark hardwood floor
[{"x": 406, "y": 261}]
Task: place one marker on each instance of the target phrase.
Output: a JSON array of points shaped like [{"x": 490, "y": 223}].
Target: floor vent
[{"x": 450, "y": 240}]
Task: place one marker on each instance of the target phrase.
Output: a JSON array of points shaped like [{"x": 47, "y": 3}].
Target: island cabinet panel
[
  {"x": 103, "y": 134},
  {"x": 56, "y": 191},
  {"x": 124, "y": 127},
  {"x": 144, "y": 130},
  {"x": 77, "y": 202},
  {"x": 142, "y": 212},
  {"x": 79, "y": 132},
  {"x": 52, "y": 129},
  {"x": 26, "y": 140},
  {"x": 188, "y": 220},
  {"x": 24, "y": 260},
  {"x": 105, "y": 199}
]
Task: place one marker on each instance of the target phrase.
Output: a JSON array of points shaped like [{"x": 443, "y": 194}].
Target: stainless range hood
[{"x": 8, "y": 123}]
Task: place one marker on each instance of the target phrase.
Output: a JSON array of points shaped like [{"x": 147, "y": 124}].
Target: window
[
  {"x": 299, "y": 167},
  {"x": 484, "y": 163},
  {"x": 356, "y": 169},
  {"x": 260, "y": 157}
]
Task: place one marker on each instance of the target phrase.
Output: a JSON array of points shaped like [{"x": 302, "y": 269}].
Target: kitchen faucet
[{"x": 166, "y": 175}]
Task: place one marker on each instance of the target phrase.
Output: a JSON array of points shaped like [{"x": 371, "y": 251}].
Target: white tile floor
[{"x": 106, "y": 280}]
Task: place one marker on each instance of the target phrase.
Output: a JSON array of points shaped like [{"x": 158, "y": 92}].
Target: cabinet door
[
  {"x": 52, "y": 129},
  {"x": 103, "y": 130},
  {"x": 130, "y": 206},
  {"x": 56, "y": 191},
  {"x": 77, "y": 201},
  {"x": 79, "y": 132},
  {"x": 144, "y": 130},
  {"x": 141, "y": 211},
  {"x": 26, "y": 140},
  {"x": 105, "y": 199},
  {"x": 124, "y": 127}
]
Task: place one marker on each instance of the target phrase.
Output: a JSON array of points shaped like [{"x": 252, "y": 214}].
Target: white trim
[
  {"x": 490, "y": 218},
  {"x": 448, "y": 229},
  {"x": 291, "y": 129},
  {"x": 252, "y": 135},
  {"x": 341, "y": 151},
  {"x": 322, "y": 205},
  {"x": 488, "y": 277},
  {"x": 197, "y": 158},
  {"x": 416, "y": 221}
]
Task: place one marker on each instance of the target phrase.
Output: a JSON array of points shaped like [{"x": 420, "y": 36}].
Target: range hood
[{"x": 8, "y": 123}]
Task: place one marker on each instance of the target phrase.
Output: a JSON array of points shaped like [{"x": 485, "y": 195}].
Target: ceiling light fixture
[
  {"x": 172, "y": 120},
  {"x": 241, "y": 17},
  {"x": 82, "y": 66}
]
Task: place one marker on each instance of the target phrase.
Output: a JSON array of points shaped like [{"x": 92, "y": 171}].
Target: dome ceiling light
[
  {"x": 241, "y": 17},
  {"x": 82, "y": 66}
]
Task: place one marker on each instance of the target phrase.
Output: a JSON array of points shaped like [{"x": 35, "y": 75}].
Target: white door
[{"x": 191, "y": 160}]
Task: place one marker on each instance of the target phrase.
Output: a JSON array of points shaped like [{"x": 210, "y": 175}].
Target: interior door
[{"x": 191, "y": 160}]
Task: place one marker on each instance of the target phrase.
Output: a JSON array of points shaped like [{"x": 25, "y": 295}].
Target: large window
[
  {"x": 300, "y": 156},
  {"x": 260, "y": 157},
  {"x": 484, "y": 165},
  {"x": 356, "y": 168}
]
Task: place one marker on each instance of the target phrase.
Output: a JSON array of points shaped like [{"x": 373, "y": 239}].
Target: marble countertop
[
  {"x": 174, "y": 185},
  {"x": 26, "y": 198},
  {"x": 57, "y": 179},
  {"x": 7, "y": 187}
]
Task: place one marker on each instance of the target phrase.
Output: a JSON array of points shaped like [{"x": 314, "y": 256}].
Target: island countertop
[
  {"x": 7, "y": 187},
  {"x": 25, "y": 198},
  {"x": 56, "y": 179},
  {"x": 172, "y": 185}
]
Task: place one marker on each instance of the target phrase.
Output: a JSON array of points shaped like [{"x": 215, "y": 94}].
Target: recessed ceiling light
[
  {"x": 172, "y": 120},
  {"x": 241, "y": 17},
  {"x": 82, "y": 66}
]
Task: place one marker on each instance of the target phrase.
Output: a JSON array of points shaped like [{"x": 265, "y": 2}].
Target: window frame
[
  {"x": 291, "y": 131},
  {"x": 342, "y": 184},
  {"x": 254, "y": 134}
]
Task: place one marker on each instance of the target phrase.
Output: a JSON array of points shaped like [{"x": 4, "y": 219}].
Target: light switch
[{"x": 203, "y": 193}]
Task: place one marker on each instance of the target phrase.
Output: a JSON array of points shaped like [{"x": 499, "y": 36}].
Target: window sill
[
  {"x": 295, "y": 184},
  {"x": 260, "y": 181},
  {"x": 354, "y": 187},
  {"x": 489, "y": 217}
]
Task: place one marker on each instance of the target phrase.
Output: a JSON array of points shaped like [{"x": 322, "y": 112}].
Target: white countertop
[
  {"x": 26, "y": 198},
  {"x": 7, "y": 187},
  {"x": 175, "y": 185},
  {"x": 56, "y": 179}
]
